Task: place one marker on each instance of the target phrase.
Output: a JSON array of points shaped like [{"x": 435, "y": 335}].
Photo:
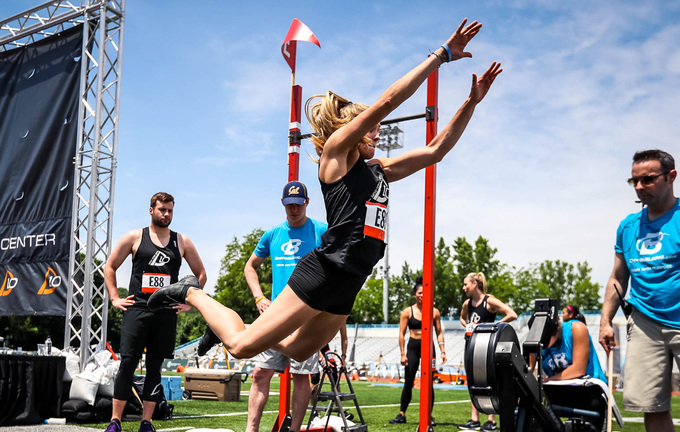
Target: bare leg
[
  {"x": 280, "y": 319},
  {"x": 147, "y": 410},
  {"x": 475, "y": 414},
  {"x": 257, "y": 398},
  {"x": 311, "y": 336},
  {"x": 659, "y": 422},
  {"x": 301, "y": 392},
  {"x": 118, "y": 408}
]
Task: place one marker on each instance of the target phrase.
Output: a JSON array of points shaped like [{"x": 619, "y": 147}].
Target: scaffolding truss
[{"x": 95, "y": 161}]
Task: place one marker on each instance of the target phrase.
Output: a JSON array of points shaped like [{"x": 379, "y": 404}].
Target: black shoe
[
  {"x": 398, "y": 419},
  {"x": 489, "y": 426},
  {"x": 173, "y": 294},
  {"x": 470, "y": 426},
  {"x": 432, "y": 422},
  {"x": 208, "y": 341}
]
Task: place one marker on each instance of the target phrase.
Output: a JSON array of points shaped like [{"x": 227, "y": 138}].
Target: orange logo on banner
[
  {"x": 8, "y": 284},
  {"x": 52, "y": 281}
]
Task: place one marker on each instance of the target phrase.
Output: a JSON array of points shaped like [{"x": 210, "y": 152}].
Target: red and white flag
[{"x": 297, "y": 32}]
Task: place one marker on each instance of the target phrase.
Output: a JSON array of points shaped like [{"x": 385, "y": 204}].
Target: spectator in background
[{"x": 571, "y": 312}]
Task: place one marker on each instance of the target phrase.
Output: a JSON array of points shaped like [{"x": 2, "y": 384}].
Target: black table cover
[{"x": 30, "y": 388}]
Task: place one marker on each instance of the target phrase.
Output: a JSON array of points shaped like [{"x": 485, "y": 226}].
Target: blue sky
[{"x": 540, "y": 171}]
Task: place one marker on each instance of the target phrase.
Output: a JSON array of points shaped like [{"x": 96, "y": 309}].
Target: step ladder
[{"x": 332, "y": 375}]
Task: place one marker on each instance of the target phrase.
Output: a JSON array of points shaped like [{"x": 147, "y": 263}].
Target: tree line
[{"x": 571, "y": 283}]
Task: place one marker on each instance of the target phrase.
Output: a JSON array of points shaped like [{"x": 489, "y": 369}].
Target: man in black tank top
[{"x": 157, "y": 254}]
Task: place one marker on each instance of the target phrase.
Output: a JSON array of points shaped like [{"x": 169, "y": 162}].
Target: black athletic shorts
[
  {"x": 325, "y": 287},
  {"x": 153, "y": 330}
]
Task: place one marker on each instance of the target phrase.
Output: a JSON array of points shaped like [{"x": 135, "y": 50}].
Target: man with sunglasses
[{"x": 648, "y": 253}]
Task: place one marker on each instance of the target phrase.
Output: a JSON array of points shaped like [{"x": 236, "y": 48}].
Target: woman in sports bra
[
  {"x": 321, "y": 291},
  {"x": 411, "y": 318},
  {"x": 480, "y": 307}
]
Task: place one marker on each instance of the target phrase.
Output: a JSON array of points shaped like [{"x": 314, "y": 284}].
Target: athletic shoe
[
  {"x": 470, "y": 426},
  {"x": 114, "y": 426},
  {"x": 432, "y": 422},
  {"x": 208, "y": 341},
  {"x": 146, "y": 426},
  {"x": 398, "y": 419},
  {"x": 174, "y": 293},
  {"x": 489, "y": 426}
]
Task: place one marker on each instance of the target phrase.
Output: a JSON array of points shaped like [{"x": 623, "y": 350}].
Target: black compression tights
[
  {"x": 123, "y": 384},
  {"x": 413, "y": 356}
]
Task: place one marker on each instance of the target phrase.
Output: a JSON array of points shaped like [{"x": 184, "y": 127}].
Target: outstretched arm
[
  {"x": 409, "y": 162},
  {"x": 346, "y": 138}
]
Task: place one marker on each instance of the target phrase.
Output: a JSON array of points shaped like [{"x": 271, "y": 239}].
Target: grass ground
[{"x": 379, "y": 403}]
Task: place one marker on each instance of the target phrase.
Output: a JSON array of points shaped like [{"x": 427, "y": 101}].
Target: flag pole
[{"x": 297, "y": 31}]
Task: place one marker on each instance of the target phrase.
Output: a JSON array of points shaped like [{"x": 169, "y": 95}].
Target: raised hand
[
  {"x": 461, "y": 37},
  {"x": 481, "y": 85}
]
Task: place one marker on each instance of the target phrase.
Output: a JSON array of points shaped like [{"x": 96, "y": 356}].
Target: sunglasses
[{"x": 644, "y": 180}]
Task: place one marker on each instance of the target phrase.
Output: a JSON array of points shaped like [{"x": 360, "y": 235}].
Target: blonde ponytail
[
  {"x": 328, "y": 114},
  {"x": 480, "y": 279}
]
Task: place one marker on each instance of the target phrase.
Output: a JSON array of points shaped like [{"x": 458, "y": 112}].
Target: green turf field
[{"x": 379, "y": 403}]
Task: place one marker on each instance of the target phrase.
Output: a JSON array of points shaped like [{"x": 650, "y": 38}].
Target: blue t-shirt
[
  {"x": 652, "y": 253},
  {"x": 559, "y": 356},
  {"x": 286, "y": 245}
]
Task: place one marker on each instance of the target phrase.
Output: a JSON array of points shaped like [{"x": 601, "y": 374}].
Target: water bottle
[
  {"x": 48, "y": 346},
  {"x": 53, "y": 420}
]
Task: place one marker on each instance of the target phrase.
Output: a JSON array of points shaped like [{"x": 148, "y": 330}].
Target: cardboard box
[{"x": 214, "y": 384}]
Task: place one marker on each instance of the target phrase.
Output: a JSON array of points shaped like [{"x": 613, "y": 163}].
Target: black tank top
[
  {"x": 480, "y": 314},
  {"x": 356, "y": 210},
  {"x": 153, "y": 267},
  {"x": 413, "y": 323}
]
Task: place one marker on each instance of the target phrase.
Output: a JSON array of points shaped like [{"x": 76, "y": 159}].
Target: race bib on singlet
[
  {"x": 469, "y": 328},
  {"x": 152, "y": 281},
  {"x": 376, "y": 220}
]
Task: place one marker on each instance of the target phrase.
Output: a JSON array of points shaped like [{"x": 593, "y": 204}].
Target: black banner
[{"x": 39, "y": 92}]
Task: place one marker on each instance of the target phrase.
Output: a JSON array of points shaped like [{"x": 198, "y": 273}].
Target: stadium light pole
[{"x": 391, "y": 138}]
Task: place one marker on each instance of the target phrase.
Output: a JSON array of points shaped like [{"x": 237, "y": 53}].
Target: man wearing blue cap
[{"x": 286, "y": 244}]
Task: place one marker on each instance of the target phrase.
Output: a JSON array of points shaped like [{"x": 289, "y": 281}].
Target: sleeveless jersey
[
  {"x": 652, "y": 254},
  {"x": 356, "y": 210},
  {"x": 558, "y": 357},
  {"x": 153, "y": 267},
  {"x": 478, "y": 314}
]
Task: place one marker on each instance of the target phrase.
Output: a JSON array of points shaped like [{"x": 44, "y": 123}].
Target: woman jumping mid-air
[{"x": 321, "y": 291}]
